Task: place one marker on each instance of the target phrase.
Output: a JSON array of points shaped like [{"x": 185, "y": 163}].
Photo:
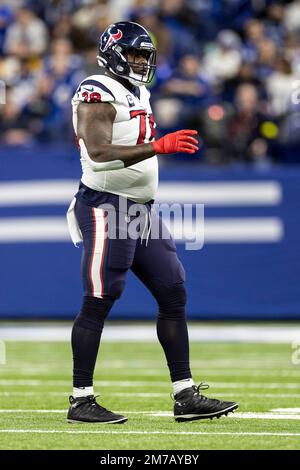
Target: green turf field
[{"x": 132, "y": 378}]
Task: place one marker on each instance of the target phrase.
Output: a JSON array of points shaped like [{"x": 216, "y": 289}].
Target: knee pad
[
  {"x": 172, "y": 302},
  {"x": 93, "y": 312}
]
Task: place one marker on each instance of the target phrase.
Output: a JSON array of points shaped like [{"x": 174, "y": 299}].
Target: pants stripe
[
  {"x": 98, "y": 252},
  {"x": 93, "y": 251},
  {"x": 103, "y": 254}
]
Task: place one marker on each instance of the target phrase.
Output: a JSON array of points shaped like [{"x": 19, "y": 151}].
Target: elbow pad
[{"x": 99, "y": 166}]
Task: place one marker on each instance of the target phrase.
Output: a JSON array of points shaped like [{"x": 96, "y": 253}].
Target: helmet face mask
[
  {"x": 142, "y": 63},
  {"x": 126, "y": 49}
]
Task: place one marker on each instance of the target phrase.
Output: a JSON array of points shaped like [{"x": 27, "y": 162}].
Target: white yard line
[
  {"x": 166, "y": 414},
  {"x": 65, "y": 394},
  {"x": 284, "y": 334},
  {"x": 286, "y": 410},
  {"x": 209, "y": 363},
  {"x": 170, "y": 433},
  {"x": 141, "y": 372},
  {"x": 151, "y": 384},
  {"x": 249, "y": 415},
  {"x": 153, "y": 394},
  {"x": 33, "y": 411}
]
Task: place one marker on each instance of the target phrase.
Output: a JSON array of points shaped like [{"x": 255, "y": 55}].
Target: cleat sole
[
  {"x": 218, "y": 414},
  {"x": 117, "y": 421}
]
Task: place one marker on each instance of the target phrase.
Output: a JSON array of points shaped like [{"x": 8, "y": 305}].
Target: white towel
[{"x": 74, "y": 230}]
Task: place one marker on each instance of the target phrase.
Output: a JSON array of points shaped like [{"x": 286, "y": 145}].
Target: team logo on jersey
[
  {"x": 113, "y": 37},
  {"x": 130, "y": 100}
]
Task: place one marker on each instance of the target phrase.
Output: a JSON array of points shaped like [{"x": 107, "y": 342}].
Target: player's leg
[
  {"x": 157, "y": 265},
  {"x": 105, "y": 263}
]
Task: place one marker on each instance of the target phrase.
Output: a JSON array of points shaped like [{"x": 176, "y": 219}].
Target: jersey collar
[{"x": 135, "y": 90}]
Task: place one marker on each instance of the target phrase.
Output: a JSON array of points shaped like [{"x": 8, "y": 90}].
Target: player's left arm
[{"x": 95, "y": 130}]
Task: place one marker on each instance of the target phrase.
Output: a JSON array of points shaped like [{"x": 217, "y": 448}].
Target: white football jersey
[{"x": 134, "y": 124}]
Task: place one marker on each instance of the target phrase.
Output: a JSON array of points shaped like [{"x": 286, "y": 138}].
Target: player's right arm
[{"x": 94, "y": 132}]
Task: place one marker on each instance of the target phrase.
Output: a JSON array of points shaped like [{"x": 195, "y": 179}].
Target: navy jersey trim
[
  {"x": 92, "y": 198},
  {"x": 99, "y": 85},
  {"x": 136, "y": 92}
]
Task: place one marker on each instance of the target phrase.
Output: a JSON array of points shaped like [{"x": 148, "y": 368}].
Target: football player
[{"x": 114, "y": 125}]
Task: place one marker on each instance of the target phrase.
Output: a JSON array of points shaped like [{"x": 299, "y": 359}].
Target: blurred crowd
[{"x": 229, "y": 68}]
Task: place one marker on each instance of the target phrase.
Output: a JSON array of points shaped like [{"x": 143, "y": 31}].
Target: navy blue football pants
[{"x": 107, "y": 256}]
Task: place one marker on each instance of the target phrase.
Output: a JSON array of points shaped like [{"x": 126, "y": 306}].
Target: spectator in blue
[
  {"x": 51, "y": 11},
  {"x": 266, "y": 59},
  {"x": 189, "y": 84},
  {"x": 274, "y": 23},
  {"x": 254, "y": 33},
  {"x": 223, "y": 59},
  {"x": 55, "y": 88},
  {"x": 27, "y": 36},
  {"x": 179, "y": 19},
  {"x": 183, "y": 96},
  {"x": 6, "y": 18}
]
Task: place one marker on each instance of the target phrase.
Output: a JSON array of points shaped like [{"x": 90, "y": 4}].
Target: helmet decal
[{"x": 112, "y": 38}]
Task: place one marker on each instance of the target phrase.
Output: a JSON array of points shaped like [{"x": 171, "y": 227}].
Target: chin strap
[{"x": 133, "y": 80}]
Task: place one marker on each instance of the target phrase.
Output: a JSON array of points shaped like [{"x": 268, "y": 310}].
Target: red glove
[{"x": 180, "y": 141}]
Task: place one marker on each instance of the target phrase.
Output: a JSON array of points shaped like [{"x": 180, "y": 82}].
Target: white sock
[
  {"x": 82, "y": 392},
  {"x": 181, "y": 385}
]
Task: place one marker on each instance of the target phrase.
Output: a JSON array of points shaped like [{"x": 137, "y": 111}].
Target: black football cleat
[
  {"x": 87, "y": 410},
  {"x": 191, "y": 405}
]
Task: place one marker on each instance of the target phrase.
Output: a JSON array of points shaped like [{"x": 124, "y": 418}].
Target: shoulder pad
[{"x": 93, "y": 90}]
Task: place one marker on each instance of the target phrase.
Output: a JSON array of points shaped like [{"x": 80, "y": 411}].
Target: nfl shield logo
[{"x": 130, "y": 100}]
